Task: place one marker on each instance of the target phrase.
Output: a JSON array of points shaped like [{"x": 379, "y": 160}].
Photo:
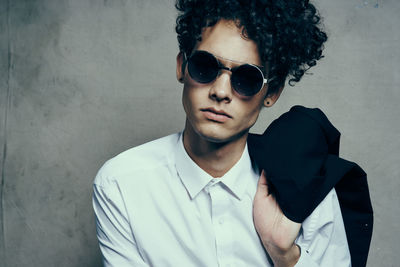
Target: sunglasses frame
[{"x": 223, "y": 67}]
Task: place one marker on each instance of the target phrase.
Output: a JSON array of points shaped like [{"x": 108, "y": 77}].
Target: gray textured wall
[{"x": 82, "y": 80}]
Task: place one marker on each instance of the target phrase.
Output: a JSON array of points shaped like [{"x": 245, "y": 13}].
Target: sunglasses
[{"x": 246, "y": 79}]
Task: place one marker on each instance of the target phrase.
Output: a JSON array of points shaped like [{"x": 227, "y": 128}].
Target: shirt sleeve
[
  {"x": 322, "y": 238},
  {"x": 116, "y": 240}
]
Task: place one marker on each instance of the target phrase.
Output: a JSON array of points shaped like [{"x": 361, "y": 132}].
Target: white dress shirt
[{"x": 154, "y": 206}]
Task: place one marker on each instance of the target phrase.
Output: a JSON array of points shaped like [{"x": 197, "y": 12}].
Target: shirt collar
[{"x": 196, "y": 179}]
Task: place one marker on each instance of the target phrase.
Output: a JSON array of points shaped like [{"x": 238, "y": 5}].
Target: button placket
[{"x": 220, "y": 206}]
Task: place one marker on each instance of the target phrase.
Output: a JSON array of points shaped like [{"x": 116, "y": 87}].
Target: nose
[{"x": 221, "y": 89}]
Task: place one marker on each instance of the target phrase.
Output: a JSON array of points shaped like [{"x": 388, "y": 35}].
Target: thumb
[{"x": 262, "y": 185}]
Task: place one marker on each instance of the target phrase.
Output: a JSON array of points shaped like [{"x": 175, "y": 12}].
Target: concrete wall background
[{"x": 82, "y": 80}]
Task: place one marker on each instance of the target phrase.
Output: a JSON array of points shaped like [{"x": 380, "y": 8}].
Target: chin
[
  {"x": 216, "y": 139},
  {"x": 220, "y": 136}
]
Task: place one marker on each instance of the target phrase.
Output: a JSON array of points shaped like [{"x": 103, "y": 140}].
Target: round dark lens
[
  {"x": 247, "y": 80},
  {"x": 203, "y": 67}
]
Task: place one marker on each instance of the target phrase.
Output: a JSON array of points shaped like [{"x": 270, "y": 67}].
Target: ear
[
  {"x": 180, "y": 67},
  {"x": 270, "y": 99}
]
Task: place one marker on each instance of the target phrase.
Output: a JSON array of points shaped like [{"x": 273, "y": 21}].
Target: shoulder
[{"x": 156, "y": 154}]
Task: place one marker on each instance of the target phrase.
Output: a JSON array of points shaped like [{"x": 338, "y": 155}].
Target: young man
[{"x": 195, "y": 198}]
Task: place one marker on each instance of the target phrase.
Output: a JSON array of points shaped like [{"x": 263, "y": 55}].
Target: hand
[{"x": 276, "y": 231}]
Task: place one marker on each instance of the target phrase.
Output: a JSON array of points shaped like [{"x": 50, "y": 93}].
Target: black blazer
[{"x": 299, "y": 152}]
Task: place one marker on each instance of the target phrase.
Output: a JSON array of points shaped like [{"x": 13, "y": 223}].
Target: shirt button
[{"x": 221, "y": 221}]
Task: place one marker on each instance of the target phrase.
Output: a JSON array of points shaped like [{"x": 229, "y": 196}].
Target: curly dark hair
[{"x": 287, "y": 32}]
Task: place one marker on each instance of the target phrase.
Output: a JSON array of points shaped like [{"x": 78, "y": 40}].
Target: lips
[{"x": 216, "y": 115}]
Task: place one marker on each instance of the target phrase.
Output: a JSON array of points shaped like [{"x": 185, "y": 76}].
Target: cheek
[
  {"x": 250, "y": 118},
  {"x": 194, "y": 93},
  {"x": 190, "y": 99},
  {"x": 254, "y": 108},
  {"x": 186, "y": 101},
  {"x": 184, "y": 97}
]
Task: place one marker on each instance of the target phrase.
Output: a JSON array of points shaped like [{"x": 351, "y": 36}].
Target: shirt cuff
[{"x": 305, "y": 259}]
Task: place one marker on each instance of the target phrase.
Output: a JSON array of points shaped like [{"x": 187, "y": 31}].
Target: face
[{"x": 214, "y": 111}]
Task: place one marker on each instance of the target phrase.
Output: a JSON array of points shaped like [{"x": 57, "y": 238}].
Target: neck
[{"x": 215, "y": 158}]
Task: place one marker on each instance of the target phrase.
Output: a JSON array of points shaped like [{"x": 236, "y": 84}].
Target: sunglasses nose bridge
[
  {"x": 225, "y": 68},
  {"x": 222, "y": 68},
  {"x": 221, "y": 88}
]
